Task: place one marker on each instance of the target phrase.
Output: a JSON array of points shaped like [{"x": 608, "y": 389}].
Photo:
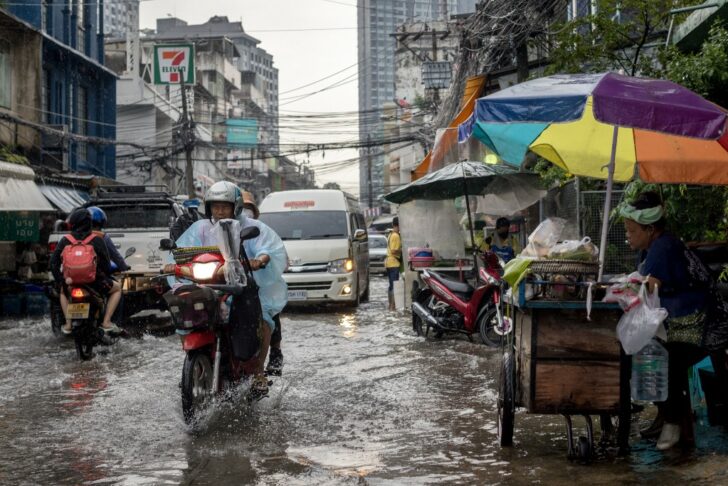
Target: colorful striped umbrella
[{"x": 607, "y": 126}]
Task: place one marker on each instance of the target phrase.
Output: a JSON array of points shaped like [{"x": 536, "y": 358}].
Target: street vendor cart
[{"x": 562, "y": 358}]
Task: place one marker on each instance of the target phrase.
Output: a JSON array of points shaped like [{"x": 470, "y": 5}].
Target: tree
[
  {"x": 332, "y": 185},
  {"x": 612, "y": 38}
]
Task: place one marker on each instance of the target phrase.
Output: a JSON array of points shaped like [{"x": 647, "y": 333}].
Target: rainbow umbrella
[{"x": 606, "y": 126}]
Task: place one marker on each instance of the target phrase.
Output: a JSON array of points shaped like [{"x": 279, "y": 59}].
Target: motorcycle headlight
[
  {"x": 345, "y": 265},
  {"x": 204, "y": 271}
]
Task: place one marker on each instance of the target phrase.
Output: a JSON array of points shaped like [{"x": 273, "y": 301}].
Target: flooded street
[{"x": 362, "y": 401}]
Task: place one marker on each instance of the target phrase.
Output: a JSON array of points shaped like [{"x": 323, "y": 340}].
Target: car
[{"x": 377, "y": 253}]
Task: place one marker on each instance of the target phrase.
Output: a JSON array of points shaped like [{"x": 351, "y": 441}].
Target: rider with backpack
[{"x": 85, "y": 261}]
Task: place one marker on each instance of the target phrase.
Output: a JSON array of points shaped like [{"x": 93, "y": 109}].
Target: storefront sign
[
  {"x": 19, "y": 226},
  {"x": 174, "y": 64}
]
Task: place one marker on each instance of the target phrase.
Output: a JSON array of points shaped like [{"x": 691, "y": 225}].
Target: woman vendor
[{"x": 684, "y": 286}]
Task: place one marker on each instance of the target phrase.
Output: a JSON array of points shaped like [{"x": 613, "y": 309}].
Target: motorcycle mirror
[
  {"x": 167, "y": 244},
  {"x": 129, "y": 252},
  {"x": 249, "y": 233}
]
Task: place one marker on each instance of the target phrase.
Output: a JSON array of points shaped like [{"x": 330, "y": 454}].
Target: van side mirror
[
  {"x": 249, "y": 233},
  {"x": 167, "y": 244},
  {"x": 360, "y": 235}
]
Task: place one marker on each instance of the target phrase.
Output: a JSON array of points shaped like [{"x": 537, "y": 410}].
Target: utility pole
[
  {"x": 369, "y": 170},
  {"x": 188, "y": 137}
]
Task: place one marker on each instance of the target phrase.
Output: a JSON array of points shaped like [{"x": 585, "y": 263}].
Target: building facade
[
  {"x": 377, "y": 22},
  {"x": 120, "y": 17},
  {"x": 77, "y": 92}
]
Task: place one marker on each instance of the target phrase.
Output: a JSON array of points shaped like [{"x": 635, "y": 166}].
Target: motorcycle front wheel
[
  {"x": 486, "y": 328},
  {"x": 196, "y": 384}
]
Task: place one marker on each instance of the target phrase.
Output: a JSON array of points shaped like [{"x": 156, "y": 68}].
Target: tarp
[
  {"x": 18, "y": 191},
  {"x": 64, "y": 198},
  {"x": 448, "y": 139}
]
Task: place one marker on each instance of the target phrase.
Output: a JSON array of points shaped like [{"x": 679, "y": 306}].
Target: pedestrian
[
  {"x": 502, "y": 243},
  {"x": 393, "y": 262}
]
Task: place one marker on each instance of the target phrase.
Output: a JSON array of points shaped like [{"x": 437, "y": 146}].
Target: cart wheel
[
  {"x": 506, "y": 400},
  {"x": 583, "y": 450}
]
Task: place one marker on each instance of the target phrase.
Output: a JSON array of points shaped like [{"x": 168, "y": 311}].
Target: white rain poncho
[{"x": 273, "y": 289}]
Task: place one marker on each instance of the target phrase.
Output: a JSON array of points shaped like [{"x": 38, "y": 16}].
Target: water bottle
[{"x": 649, "y": 373}]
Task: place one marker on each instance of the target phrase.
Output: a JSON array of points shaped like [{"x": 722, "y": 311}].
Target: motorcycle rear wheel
[
  {"x": 84, "y": 342},
  {"x": 196, "y": 384}
]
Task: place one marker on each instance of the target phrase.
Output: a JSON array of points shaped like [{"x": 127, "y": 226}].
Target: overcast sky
[{"x": 301, "y": 56}]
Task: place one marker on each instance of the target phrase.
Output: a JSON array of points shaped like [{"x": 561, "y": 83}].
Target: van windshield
[{"x": 307, "y": 225}]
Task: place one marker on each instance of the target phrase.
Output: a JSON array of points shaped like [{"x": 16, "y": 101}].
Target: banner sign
[
  {"x": 242, "y": 131},
  {"x": 19, "y": 226},
  {"x": 174, "y": 64}
]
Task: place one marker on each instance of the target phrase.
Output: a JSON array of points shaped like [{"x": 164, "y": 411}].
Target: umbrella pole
[
  {"x": 470, "y": 223},
  {"x": 607, "y": 205}
]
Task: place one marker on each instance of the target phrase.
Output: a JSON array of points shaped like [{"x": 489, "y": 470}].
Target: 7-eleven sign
[{"x": 174, "y": 64}]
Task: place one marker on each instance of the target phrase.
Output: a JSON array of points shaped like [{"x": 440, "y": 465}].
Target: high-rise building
[
  {"x": 377, "y": 20},
  {"x": 120, "y": 17}
]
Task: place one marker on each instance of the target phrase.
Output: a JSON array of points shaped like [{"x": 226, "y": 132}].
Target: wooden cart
[{"x": 557, "y": 362}]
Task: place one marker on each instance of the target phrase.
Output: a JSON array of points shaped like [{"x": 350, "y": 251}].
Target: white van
[{"x": 327, "y": 243}]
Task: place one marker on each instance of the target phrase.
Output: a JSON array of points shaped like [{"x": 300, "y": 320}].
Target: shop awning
[
  {"x": 448, "y": 139},
  {"x": 64, "y": 198},
  {"x": 18, "y": 191}
]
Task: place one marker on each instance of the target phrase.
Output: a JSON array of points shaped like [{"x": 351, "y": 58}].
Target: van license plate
[
  {"x": 297, "y": 294},
  {"x": 78, "y": 311}
]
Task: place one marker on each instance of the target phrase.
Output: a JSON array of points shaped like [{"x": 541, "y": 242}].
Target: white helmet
[{"x": 224, "y": 191}]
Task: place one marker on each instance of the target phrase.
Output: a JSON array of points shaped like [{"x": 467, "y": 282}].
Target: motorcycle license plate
[
  {"x": 297, "y": 294},
  {"x": 78, "y": 311}
]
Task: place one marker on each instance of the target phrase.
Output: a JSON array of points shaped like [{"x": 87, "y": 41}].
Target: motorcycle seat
[{"x": 463, "y": 289}]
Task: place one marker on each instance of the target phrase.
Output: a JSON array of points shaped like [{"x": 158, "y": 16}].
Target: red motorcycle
[
  {"x": 450, "y": 306},
  {"x": 219, "y": 322}
]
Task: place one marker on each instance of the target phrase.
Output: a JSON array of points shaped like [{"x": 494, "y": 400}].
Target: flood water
[{"x": 362, "y": 401}]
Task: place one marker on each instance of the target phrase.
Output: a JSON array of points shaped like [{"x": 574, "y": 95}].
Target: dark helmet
[
  {"x": 98, "y": 216},
  {"x": 80, "y": 222}
]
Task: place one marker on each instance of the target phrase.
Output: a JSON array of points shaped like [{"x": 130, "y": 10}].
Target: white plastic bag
[
  {"x": 582, "y": 249},
  {"x": 545, "y": 236},
  {"x": 625, "y": 291},
  {"x": 640, "y": 324},
  {"x": 227, "y": 233}
]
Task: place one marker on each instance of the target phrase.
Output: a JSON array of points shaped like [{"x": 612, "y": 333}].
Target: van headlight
[
  {"x": 204, "y": 271},
  {"x": 345, "y": 265}
]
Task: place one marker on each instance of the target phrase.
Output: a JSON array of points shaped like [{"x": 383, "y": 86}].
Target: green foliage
[
  {"x": 613, "y": 38},
  {"x": 332, "y": 185},
  {"x": 8, "y": 154},
  {"x": 693, "y": 214}
]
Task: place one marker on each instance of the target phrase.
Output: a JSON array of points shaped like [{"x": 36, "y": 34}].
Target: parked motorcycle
[
  {"x": 86, "y": 310},
  {"x": 219, "y": 321},
  {"x": 450, "y": 306}
]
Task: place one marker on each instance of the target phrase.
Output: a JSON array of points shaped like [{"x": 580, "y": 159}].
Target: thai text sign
[
  {"x": 19, "y": 226},
  {"x": 174, "y": 64},
  {"x": 242, "y": 131}
]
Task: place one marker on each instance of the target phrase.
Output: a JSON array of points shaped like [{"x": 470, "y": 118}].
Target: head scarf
[{"x": 643, "y": 216}]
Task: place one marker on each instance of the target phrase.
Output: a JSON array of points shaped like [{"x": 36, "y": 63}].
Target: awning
[
  {"x": 18, "y": 191},
  {"x": 448, "y": 138},
  {"x": 64, "y": 198}
]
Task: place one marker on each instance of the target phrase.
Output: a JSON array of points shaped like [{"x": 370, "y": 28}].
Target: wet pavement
[{"x": 362, "y": 401}]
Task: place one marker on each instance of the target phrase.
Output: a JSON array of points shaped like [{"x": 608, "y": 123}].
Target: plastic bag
[
  {"x": 583, "y": 250},
  {"x": 625, "y": 291},
  {"x": 640, "y": 324},
  {"x": 227, "y": 233},
  {"x": 545, "y": 236}
]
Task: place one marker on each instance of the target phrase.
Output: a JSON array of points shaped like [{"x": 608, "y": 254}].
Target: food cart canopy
[
  {"x": 18, "y": 191},
  {"x": 64, "y": 198}
]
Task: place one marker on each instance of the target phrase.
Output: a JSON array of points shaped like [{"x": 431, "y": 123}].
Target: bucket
[{"x": 399, "y": 289}]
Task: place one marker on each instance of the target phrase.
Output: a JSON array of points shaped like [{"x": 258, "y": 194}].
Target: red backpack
[{"x": 79, "y": 260}]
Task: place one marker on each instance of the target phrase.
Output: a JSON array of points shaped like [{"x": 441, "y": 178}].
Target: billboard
[
  {"x": 174, "y": 64},
  {"x": 242, "y": 131}
]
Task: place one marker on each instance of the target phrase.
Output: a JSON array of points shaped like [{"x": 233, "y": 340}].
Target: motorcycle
[
  {"x": 451, "y": 306},
  {"x": 86, "y": 310},
  {"x": 221, "y": 343}
]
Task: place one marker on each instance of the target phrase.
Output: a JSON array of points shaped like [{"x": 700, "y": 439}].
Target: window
[
  {"x": 307, "y": 225},
  {"x": 6, "y": 85}
]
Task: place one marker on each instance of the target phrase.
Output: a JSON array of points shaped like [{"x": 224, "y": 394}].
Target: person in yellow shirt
[{"x": 394, "y": 260}]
